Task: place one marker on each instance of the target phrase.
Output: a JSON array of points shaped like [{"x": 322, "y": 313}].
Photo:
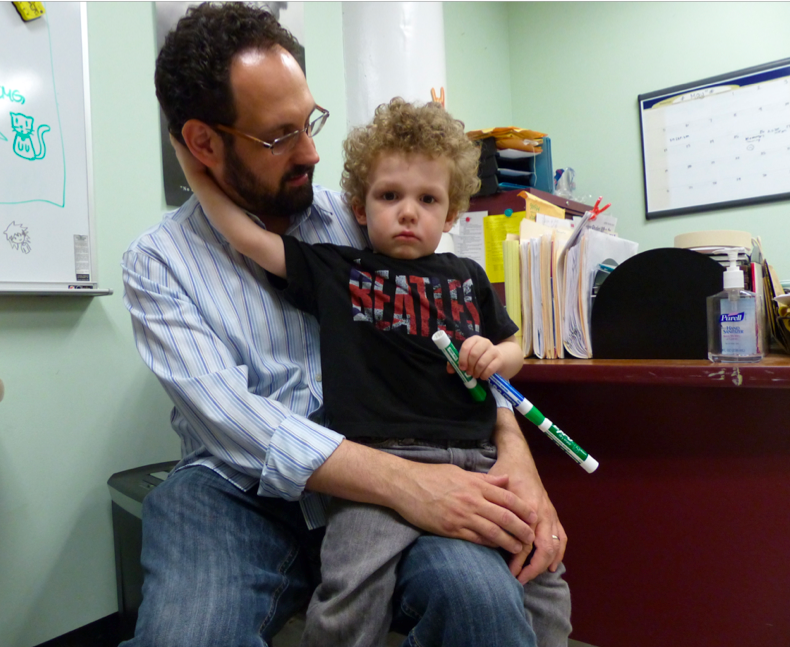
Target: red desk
[{"x": 681, "y": 537}]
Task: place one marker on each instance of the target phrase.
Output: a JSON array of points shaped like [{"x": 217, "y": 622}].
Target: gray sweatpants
[{"x": 352, "y": 607}]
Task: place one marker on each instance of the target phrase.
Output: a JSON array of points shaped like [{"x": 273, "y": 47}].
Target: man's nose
[{"x": 305, "y": 153}]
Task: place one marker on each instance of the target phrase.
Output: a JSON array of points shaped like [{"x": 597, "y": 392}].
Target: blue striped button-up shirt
[{"x": 240, "y": 364}]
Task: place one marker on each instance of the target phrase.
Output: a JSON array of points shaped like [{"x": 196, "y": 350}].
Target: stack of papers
[
  {"x": 593, "y": 251},
  {"x": 541, "y": 246},
  {"x": 557, "y": 271}
]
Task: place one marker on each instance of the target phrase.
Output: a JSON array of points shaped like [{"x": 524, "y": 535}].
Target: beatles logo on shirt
[{"x": 417, "y": 305}]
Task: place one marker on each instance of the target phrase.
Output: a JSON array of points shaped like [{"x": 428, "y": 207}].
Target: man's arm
[
  {"x": 442, "y": 499},
  {"x": 262, "y": 246},
  {"x": 183, "y": 340},
  {"x": 208, "y": 358},
  {"x": 515, "y": 460}
]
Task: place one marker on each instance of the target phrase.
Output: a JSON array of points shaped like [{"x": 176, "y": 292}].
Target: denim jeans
[{"x": 226, "y": 568}]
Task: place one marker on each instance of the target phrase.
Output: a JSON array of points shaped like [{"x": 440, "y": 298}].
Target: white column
[{"x": 391, "y": 49}]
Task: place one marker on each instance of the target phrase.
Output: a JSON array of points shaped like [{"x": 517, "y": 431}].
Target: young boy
[{"x": 406, "y": 177}]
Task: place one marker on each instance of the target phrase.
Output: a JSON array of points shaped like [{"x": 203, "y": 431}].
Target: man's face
[{"x": 272, "y": 100}]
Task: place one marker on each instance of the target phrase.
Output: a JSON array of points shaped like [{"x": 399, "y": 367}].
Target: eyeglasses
[{"x": 285, "y": 143}]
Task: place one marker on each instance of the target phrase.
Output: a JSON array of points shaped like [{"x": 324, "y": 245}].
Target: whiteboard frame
[
  {"x": 769, "y": 71},
  {"x": 73, "y": 288}
]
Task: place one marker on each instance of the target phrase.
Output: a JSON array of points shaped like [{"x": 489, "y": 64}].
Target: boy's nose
[{"x": 408, "y": 212}]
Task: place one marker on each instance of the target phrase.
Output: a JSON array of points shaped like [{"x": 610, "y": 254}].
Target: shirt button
[{"x": 317, "y": 377}]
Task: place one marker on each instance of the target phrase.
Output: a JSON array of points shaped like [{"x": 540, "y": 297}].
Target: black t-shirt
[{"x": 383, "y": 376}]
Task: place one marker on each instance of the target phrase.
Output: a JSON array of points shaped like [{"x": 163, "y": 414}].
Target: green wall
[
  {"x": 80, "y": 405},
  {"x": 578, "y": 68}
]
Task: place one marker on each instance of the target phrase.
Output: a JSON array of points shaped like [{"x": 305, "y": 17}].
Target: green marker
[
  {"x": 531, "y": 413},
  {"x": 441, "y": 339},
  {"x": 520, "y": 403}
]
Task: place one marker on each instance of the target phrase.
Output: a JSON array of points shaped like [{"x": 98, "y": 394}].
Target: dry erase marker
[
  {"x": 441, "y": 339},
  {"x": 531, "y": 413},
  {"x": 522, "y": 405}
]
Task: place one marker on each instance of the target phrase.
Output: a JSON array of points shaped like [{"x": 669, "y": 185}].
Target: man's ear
[
  {"x": 203, "y": 142},
  {"x": 450, "y": 221},
  {"x": 359, "y": 213}
]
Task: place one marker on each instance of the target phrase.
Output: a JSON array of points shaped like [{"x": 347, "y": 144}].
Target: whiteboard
[
  {"x": 47, "y": 239},
  {"x": 717, "y": 143}
]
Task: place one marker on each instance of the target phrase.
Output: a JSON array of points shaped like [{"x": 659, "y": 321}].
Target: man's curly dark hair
[{"x": 192, "y": 75}]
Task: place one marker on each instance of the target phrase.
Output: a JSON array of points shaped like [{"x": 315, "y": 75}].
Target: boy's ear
[
  {"x": 203, "y": 142},
  {"x": 450, "y": 221},
  {"x": 359, "y": 213}
]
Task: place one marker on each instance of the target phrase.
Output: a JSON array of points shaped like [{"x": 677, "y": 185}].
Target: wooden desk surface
[{"x": 771, "y": 373}]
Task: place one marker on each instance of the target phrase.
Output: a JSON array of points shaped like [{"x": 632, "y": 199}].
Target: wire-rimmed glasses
[{"x": 286, "y": 142}]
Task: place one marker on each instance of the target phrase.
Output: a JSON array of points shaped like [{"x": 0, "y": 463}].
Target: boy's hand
[
  {"x": 479, "y": 358},
  {"x": 189, "y": 163}
]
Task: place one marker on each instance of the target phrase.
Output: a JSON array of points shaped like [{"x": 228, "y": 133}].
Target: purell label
[{"x": 738, "y": 329}]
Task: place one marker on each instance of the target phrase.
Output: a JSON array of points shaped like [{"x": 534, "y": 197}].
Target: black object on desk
[
  {"x": 127, "y": 490},
  {"x": 652, "y": 306}
]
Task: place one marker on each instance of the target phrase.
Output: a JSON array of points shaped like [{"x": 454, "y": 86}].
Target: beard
[{"x": 261, "y": 200}]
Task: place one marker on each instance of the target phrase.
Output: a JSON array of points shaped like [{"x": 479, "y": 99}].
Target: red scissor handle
[{"x": 597, "y": 209}]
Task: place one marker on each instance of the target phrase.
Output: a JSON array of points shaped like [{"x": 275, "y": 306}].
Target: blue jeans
[{"x": 225, "y": 568}]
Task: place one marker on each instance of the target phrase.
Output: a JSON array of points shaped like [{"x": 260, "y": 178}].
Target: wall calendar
[{"x": 717, "y": 143}]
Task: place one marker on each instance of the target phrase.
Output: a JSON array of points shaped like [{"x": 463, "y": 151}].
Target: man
[{"x": 231, "y": 540}]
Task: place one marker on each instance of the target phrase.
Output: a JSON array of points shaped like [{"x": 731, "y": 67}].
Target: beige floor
[{"x": 289, "y": 636}]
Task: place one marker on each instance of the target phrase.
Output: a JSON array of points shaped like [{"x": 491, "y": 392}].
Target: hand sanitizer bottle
[{"x": 733, "y": 330}]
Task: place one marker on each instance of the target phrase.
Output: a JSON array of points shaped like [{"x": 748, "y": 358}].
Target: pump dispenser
[{"x": 733, "y": 330}]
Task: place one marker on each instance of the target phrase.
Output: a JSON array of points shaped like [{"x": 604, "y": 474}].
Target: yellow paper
[
  {"x": 506, "y": 131},
  {"x": 536, "y": 205},
  {"x": 495, "y": 231},
  {"x": 511, "y": 251}
]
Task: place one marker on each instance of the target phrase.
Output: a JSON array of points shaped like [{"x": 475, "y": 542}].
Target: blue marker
[
  {"x": 522, "y": 405},
  {"x": 531, "y": 413}
]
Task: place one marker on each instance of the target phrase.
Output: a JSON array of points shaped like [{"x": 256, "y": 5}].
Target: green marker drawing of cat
[{"x": 24, "y": 141}]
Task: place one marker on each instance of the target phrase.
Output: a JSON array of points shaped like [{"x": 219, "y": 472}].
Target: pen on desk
[{"x": 520, "y": 403}]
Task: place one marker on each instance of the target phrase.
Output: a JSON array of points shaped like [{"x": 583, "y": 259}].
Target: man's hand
[
  {"x": 446, "y": 500},
  {"x": 515, "y": 459},
  {"x": 440, "y": 499}
]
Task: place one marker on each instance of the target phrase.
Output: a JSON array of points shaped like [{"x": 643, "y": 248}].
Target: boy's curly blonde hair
[{"x": 407, "y": 128}]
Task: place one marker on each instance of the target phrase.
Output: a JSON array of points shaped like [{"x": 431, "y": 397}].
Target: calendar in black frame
[{"x": 717, "y": 143}]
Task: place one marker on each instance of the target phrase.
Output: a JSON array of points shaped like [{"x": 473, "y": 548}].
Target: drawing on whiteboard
[
  {"x": 18, "y": 237},
  {"x": 12, "y": 95},
  {"x": 24, "y": 142}
]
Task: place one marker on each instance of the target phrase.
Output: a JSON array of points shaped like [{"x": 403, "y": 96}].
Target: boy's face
[{"x": 407, "y": 205}]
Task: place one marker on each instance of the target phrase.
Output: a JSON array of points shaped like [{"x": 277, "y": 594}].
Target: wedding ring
[{"x": 555, "y": 537}]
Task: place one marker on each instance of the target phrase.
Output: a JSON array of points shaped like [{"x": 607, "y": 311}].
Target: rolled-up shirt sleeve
[{"x": 242, "y": 389}]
